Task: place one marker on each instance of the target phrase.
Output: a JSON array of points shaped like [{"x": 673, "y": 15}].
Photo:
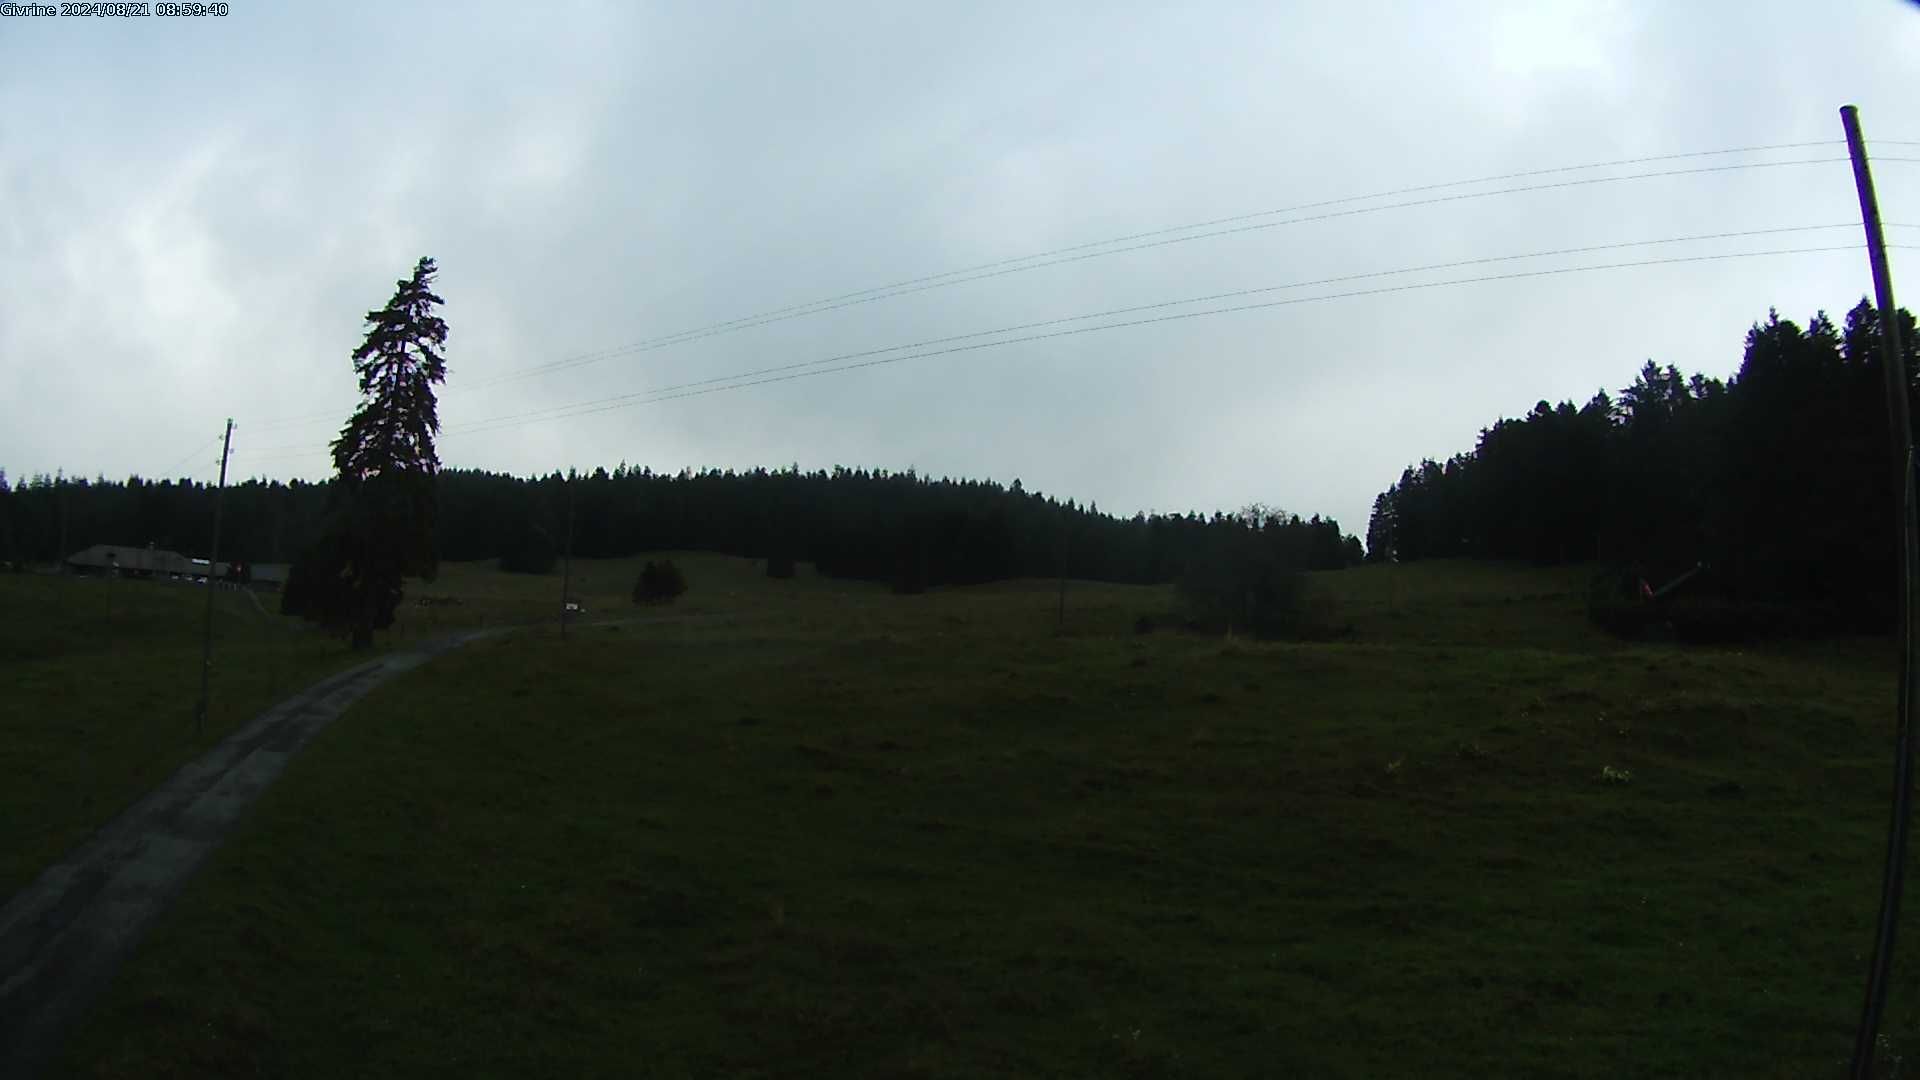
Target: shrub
[
  {"x": 1242, "y": 586},
  {"x": 320, "y": 589},
  {"x": 531, "y": 552},
  {"x": 660, "y": 583},
  {"x": 1709, "y": 620},
  {"x": 1613, "y": 606},
  {"x": 780, "y": 566},
  {"x": 910, "y": 567},
  {"x": 1701, "y": 614}
]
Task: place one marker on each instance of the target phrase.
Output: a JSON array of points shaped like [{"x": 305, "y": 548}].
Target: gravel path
[{"x": 63, "y": 936}]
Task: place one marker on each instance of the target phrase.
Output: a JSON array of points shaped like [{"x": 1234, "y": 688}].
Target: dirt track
[{"x": 64, "y": 935}]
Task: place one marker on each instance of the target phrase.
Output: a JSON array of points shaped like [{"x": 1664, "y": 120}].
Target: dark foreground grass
[
  {"x": 98, "y": 685},
  {"x": 99, "y": 678},
  {"x": 866, "y": 835}
]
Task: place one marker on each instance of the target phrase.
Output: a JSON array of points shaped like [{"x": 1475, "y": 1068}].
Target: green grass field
[
  {"x": 841, "y": 832},
  {"x": 101, "y": 680},
  {"x": 102, "y": 677}
]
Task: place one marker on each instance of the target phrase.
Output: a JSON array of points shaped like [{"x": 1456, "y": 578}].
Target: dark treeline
[
  {"x": 898, "y": 527},
  {"x": 1779, "y": 479},
  {"x": 44, "y": 518}
]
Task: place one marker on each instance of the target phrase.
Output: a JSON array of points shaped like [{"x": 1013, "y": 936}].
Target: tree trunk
[{"x": 363, "y": 618}]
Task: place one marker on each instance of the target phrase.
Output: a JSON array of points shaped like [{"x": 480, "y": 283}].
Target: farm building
[{"x": 120, "y": 560}]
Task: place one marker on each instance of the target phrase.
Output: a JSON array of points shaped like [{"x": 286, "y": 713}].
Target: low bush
[
  {"x": 660, "y": 583},
  {"x": 1243, "y": 588}
]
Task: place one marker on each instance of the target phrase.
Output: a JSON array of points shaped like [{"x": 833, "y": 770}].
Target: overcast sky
[{"x": 197, "y": 214}]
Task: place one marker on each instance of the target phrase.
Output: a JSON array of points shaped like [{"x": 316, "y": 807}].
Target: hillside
[{"x": 838, "y": 831}]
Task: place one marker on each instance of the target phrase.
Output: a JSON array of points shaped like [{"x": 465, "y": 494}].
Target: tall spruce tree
[
  {"x": 380, "y": 526},
  {"x": 1380, "y": 528}
]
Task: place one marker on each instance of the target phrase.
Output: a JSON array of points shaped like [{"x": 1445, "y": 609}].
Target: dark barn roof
[{"x": 134, "y": 559}]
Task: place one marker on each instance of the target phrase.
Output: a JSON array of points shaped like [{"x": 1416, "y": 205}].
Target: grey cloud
[{"x": 198, "y": 216}]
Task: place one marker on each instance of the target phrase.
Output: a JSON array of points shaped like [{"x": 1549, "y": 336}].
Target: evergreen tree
[
  {"x": 849, "y": 523},
  {"x": 380, "y": 526},
  {"x": 1777, "y": 478},
  {"x": 9, "y": 552},
  {"x": 1380, "y": 532}
]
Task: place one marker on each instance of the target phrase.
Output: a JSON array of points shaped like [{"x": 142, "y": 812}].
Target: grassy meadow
[
  {"x": 833, "y": 831},
  {"x": 101, "y": 679}
]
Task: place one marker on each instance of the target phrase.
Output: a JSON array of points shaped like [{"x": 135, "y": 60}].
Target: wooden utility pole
[
  {"x": 1060, "y": 619},
  {"x": 566, "y": 562},
  {"x": 213, "y": 563},
  {"x": 60, "y": 489},
  {"x": 1894, "y": 361}
]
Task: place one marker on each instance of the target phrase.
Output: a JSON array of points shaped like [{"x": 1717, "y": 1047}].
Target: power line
[
  {"x": 535, "y": 413},
  {"x": 979, "y": 271},
  {"x": 1006, "y": 266},
  {"x": 612, "y": 404},
  {"x": 265, "y": 459},
  {"x": 300, "y": 420},
  {"x": 184, "y": 458},
  {"x": 773, "y": 375},
  {"x": 888, "y": 293},
  {"x": 996, "y": 264},
  {"x": 551, "y": 411}
]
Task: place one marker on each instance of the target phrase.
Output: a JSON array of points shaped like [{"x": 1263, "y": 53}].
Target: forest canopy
[
  {"x": 854, "y": 523},
  {"x": 1779, "y": 479}
]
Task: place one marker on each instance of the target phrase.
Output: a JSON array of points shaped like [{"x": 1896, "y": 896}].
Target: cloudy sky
[{"x": 198, "y": 213}]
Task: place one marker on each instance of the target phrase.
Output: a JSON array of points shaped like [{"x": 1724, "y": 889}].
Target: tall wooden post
[
  {"x": 1894, "y": 362},
  {"x": 60, "y": 489},
  {"x": 566, "y": 561},
  {"x": 1060, "y": 618},
  {"x": 213, "y": 562}
]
